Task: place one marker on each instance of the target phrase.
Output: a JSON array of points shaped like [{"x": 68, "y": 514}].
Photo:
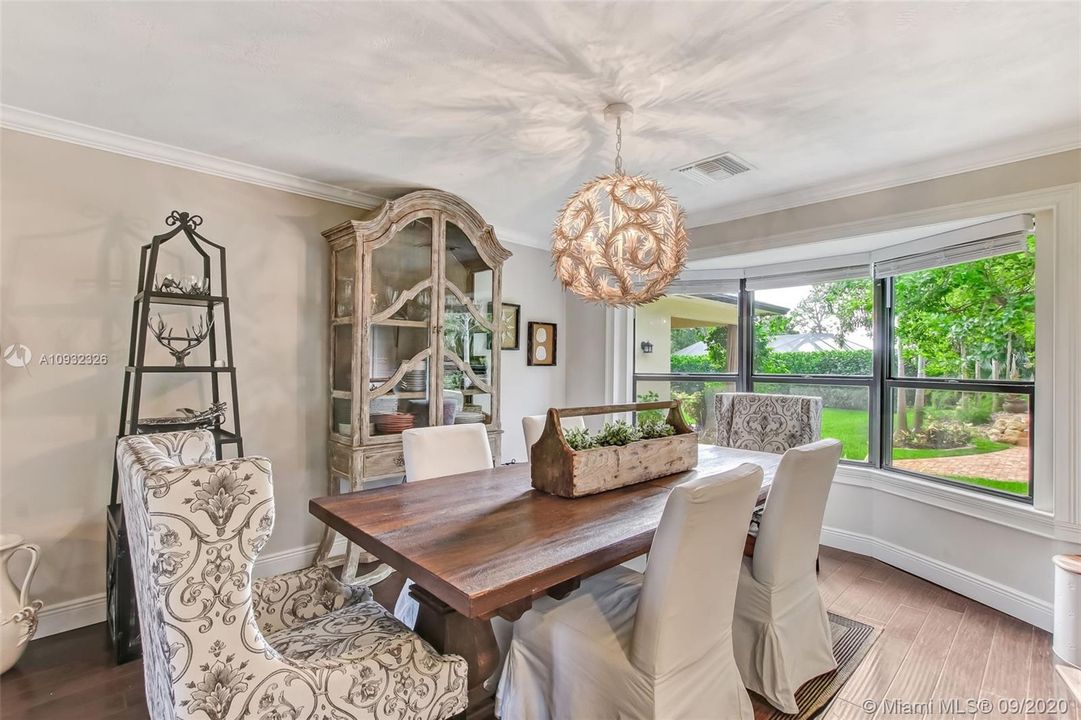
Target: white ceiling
[{"x": 501, "y": 102}]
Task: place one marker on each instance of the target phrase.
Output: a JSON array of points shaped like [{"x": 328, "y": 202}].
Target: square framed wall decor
[
  {"x": 541, "y": 345},
  {"x": 510, "y": 336}
]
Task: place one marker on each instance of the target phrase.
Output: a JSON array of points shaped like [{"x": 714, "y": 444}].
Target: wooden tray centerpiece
[{"x": 559, "y": 469}]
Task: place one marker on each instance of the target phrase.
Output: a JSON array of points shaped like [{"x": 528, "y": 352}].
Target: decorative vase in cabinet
[{"x": 415, "y": 321}]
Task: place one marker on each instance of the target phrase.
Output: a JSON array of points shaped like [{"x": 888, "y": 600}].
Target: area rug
[{"x": 851, "y": 641}]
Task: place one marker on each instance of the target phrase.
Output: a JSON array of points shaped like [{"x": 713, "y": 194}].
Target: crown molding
[
  {"x": 1062, "y": 139},
  {"x": 27, "y": 121}
]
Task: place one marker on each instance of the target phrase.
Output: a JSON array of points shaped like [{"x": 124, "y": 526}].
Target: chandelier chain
[{"x": 619, "y": 145}]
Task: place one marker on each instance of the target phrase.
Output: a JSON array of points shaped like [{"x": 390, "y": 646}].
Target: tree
[
  {"x": 970, "y": 318},
  {"x": 966, "y": 320},
  {"x": 715, "y": 338},
  {"x": 837, "y": 308},
  {"x": 767, "y": 327},
  {"x": 717, "y": 345},
  {"x": 685, "y": 337}
]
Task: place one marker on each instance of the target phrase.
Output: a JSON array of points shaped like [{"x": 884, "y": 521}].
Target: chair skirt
[
  {"x": 781, "y": 636},
  {"x": 570, "y": 660}
]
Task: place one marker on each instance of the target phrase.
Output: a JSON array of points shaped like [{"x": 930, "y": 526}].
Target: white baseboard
[
  {"x": 80, "y": 612},
  {"x": 1001, "y": 597},
  {"x": 70, "y": 614}
]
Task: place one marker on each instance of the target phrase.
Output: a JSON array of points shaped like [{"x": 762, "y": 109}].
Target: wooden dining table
[{"x": 484, "y": 544}]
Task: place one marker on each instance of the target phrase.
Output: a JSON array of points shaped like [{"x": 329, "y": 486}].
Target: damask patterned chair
[
  {"x": 218, "y": 645},
  {"x": 767, "y": 423}
]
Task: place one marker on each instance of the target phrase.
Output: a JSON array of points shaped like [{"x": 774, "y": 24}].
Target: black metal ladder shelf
[{"x": 122, "y": 613}]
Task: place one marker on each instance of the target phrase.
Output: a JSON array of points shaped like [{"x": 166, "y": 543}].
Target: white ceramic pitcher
[{"x": 18, "y": 615}]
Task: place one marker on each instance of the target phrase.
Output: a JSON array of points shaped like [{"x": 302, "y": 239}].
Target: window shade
[
  {"x": 977, "y": 242},
  {"x": 810, "y": 277},
  {"x": 706, "y": 282}
]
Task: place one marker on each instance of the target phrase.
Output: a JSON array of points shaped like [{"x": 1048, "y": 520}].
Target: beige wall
[
  {"x": 71, "y": 223},
  {"x": 790, "y": 227},
  {"x": 529, "y": 281}
]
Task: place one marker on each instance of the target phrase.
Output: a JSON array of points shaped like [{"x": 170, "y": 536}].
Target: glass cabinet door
[
  {"x": 344, "y": 268},
  {"x": 467, "y": 337},
  {"x": 399, "y": 350}
]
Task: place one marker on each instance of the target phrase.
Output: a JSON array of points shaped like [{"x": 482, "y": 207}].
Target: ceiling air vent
[{"x": 714, "y": 169}]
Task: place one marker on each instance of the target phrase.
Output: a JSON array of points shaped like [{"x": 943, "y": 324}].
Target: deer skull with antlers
[{"x": 192, "y": 338}]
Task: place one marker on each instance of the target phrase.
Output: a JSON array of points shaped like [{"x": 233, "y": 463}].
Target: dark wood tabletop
[{"x": 485, "y": 540}]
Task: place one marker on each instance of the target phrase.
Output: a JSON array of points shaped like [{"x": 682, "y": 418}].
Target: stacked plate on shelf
[
  {"x": 414, "y": 380},
  {"x": 468, "y": 416},
  {"x": 393, "y": 422}
]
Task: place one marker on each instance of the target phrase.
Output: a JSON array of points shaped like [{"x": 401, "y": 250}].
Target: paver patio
[{"x": 1009, "y": 464}]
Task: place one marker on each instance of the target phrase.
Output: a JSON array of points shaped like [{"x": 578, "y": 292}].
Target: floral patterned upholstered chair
[
  {"x": 767, "y": 423},
  {"x": 218, "y": 646}
]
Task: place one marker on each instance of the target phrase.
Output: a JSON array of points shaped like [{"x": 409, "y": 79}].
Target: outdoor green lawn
[
  {"x": 850, "y": 427},
  {"x": 980, "y": 445},
  {"x": 1010, "y": 486}
]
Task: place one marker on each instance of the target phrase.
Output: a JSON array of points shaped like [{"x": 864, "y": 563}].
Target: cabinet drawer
[
  {"x": 384, "y": 462},
  {"x": 341, "y": 459}
]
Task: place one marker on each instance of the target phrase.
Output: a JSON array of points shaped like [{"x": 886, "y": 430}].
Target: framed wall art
[
  {"x": 542, "y": 344},
  {"x": 512, "y": 323}
]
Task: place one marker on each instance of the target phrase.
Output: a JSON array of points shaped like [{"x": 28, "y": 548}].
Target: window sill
[{"x": 1016, "y": 515}]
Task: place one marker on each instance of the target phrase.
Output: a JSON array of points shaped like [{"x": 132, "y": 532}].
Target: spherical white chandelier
[{"x": 619, "y": 240}]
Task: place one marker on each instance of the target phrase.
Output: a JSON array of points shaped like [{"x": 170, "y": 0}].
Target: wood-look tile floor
[{"x": 935, "y": 644}]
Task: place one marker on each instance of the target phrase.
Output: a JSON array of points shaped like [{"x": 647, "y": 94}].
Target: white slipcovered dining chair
[
  {"x": 657, "y": 645},
  {"x": 533, "y": 427},
  {"x": 767, "y": 423},
  {"x": 217, "y": 644},
  {"x": 436, "y": 452},
  {"x": 781, "y": 630}
]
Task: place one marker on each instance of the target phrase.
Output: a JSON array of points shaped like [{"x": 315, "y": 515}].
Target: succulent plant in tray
[
  {"x": 619, "y": 432},
  {"x": 651, "y": 429},
  {"x": 579, "y": 438}
]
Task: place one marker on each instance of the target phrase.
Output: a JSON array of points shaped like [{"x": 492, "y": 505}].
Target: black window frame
[
  {"x": 880, "y": 386},
  {"x": 883, "y": 343},
  {"x": 671, "y": 377},
  {"x": 866, "y": 381}
]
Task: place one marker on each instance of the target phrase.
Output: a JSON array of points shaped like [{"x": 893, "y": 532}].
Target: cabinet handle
[{"x": 399, "y": 460}]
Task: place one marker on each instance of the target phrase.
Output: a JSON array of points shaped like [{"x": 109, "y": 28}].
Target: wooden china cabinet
[{"x": 415, "y": 295}]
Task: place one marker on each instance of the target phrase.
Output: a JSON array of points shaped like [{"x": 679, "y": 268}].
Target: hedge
[
  {"x": 818, "y": 362},
  {"x": 833, "y": 396},
  {"x": 696, "y": 364}
]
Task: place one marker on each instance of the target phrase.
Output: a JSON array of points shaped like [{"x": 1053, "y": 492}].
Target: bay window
[
  {"x": 814, "y": 338},
  {"x": 926, "y": 364},
  {"x": 960, "y": 379}
]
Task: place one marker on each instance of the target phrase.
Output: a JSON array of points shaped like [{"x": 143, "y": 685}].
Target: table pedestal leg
[{"x": 449, "y": 631}]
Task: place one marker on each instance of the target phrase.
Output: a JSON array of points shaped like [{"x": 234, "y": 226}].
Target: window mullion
[
  {"x": 882, "y": 320},
  {"x": 745, "y": 340}
]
